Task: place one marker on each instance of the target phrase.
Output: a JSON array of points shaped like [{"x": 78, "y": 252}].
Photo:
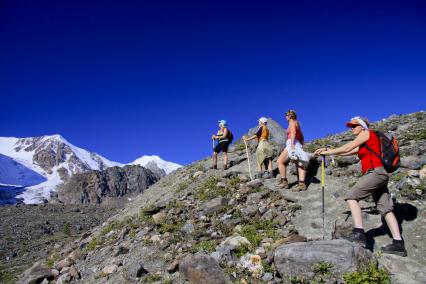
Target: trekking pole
[
  {"x": 322, "y": 188},
  {"x": 248, "y": 159},
  {"x": 213, "y": 143}
]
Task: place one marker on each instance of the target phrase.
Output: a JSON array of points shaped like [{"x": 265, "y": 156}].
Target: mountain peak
[{"x": 145, "y": 160}]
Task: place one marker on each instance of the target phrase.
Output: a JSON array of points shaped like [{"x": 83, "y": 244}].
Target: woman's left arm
[{"x": 348, "y": 147}]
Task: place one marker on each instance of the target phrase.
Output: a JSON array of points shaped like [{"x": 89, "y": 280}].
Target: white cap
[
  {"x": 263, "y": 120},
  {"x": 222, "y": 121}
]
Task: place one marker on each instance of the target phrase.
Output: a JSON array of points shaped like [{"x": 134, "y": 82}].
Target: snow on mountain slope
[
  {"x": 53, "y": 158},
  {"x": 145, "y": 161},
  {"x": 14, "y": 173}
]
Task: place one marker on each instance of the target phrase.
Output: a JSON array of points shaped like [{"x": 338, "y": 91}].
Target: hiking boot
[
  {"x": 300, "y": 187},
  {"x": 225, "y": 167},
  {"x": 357, "y": 236},
  {"x": 283, "y": 184},
  {"x": 396, "y": 247},
  {"x": 214, "y": 167}
]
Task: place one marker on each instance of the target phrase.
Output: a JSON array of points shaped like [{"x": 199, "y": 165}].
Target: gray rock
[
  {"x": 159, "y": 217},
  {"x": 36, "y": 274},
  {"x": 215, "y": 205},
  {"x": 255, "y": 183},
  {"x": 64, "y": 278},
  {"x": 135, "y": 270},
  {"x": 255, "y": 198},
  {"x": 411, "y": 162},
  {"x": 249, "y": 211},
  {"x": 235, "y": 242},
  {"x": 121, "y": 250},
  {"x": 221, "y": 184},
  {"x": 202, "y": 269},
  {"x": 110, "y": 269},
  {"x": 197, "y": 174},
  {"x": 298, "y": 258},
  {"x": 66, "y": 262},
  {"x": 188, "y": 227}
]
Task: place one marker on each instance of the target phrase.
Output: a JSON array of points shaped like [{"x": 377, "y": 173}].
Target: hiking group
[{"x": 377, "y": 152}]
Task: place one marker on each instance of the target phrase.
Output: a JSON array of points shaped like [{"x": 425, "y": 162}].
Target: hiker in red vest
[{"x": 373, "y": 182}]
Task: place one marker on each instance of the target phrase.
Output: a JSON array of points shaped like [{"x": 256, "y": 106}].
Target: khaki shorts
[{"x": 373, "y": 183}]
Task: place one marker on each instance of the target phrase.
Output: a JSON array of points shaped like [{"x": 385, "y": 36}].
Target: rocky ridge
[
  {"x": 206, "y": 226},
  {"x": 112, "y": 183}
]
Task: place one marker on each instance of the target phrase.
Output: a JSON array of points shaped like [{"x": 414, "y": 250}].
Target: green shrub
[
  {"x": 242, "y": 249},
  {"x": 322, "y": 268},
  {"x": 66, "y": 229},
  {"x": 209, "y": 190},
  {"x": 6, "y": 276},
  {"x": 370, "y": 273},
  {"x": 207, "y": 246}
]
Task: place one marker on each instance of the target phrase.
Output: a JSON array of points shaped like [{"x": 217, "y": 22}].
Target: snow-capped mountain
[
  {"x": 41, "y": 163},
  {"x": 51, "y": 158},
  {"x": 154, "y": 162}
]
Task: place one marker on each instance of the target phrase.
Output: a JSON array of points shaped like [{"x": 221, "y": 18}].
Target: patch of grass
[
  {"x": 251, "y": 233},
  {"x": 239, "y": 147},
  {"x": 182, "y": 186},
  {"x": 257, "y": 229},
  {"x": 416, "y": 135},
  {"x": 170, "y": 227},
  {"x": 66, "y": 229},
  {"x": 396, "y": 177},
  {"x": 151, "y": 278},
  {"x": 243, "y": 249},
  {"x": 370, "y": 273},
  {"x": 322, "y": 268},
  {"x": 114, "y": 225},
  {"x": 255, "y": 190},
  {"x": 233, "y": 182},
  {"x": 52, "y": 259},
  {"x": 93, "y": 244},
  {"x": 207, "y": 246},
  {"x": 6, "y": 276},
  {"x": 209, "y": 190},
  {"x": 268, "y": 267}
]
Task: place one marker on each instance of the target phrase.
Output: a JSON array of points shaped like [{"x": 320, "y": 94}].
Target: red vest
[{"x": 370, "y": 161}]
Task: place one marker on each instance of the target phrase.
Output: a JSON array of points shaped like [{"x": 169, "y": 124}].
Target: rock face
[
  {"x": 95, "y": 186},
  {"x": 299, "y": 258},
  {"x": 202, "y": 269}
]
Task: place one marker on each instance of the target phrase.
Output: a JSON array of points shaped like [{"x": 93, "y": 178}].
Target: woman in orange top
[{"x": 264, "y": 151}]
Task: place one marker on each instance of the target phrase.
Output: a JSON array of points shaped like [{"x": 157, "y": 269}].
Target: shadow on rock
[{"x": 403, "y": 212}]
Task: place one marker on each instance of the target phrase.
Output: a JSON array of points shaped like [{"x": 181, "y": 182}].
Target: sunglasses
[{"x": 354, "y": 126}]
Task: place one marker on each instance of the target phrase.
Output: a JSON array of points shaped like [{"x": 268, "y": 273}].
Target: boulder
[
  {"x": 202, "y": 269},
  {"x": 411, "y": 162},
  {"x": 298, "y": 258},
  {"x": 215, "y": 205},
  {"x": 36, "y": 274},
  {"x": 255, "y": 183}
]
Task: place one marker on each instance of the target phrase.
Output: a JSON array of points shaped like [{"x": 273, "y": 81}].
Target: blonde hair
[{"x": 292, "y": 114}]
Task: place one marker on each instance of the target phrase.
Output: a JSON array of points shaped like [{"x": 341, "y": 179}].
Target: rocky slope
[
  {"x": 202, "y": 226},
  {"x": 112, "y": 183}
]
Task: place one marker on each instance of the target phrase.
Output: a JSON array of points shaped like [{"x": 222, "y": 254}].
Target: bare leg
[
  {"x": 225, "y": 159},
  {"x": 393, "y": 226},
  {"x": 282, "y": 160},
  {"x": 302, "y": 173},
  {"x": 356, "y": 213},
  {"x": 214, "y": 159},
  {"x": 270, "y": 165}
]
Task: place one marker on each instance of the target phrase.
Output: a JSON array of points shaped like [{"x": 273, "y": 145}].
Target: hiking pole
[
  {"x": 322, "y": 188},
  {"x": 248, "y": 159}
]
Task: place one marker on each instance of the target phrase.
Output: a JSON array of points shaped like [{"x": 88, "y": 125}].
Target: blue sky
[{"x": 128, "y": 78}]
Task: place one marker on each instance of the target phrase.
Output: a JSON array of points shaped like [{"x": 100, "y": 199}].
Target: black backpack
[
  {"x": 230, "y": 136},
  {"x": 389, "y": 151}
]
